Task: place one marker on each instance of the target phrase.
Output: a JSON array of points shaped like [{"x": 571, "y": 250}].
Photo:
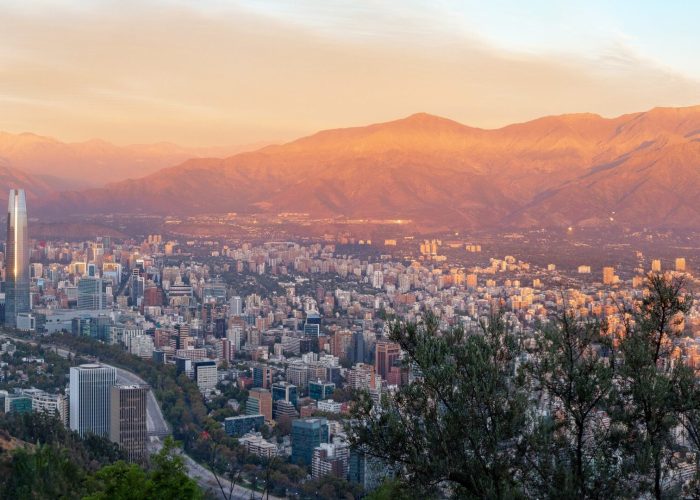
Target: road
[
  {"x": 155, "y": 422},
  {"x": 158, "y": 428}
]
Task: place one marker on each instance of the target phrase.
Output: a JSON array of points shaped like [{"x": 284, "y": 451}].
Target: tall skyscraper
[
  {"x": 307, "y": 434},
  {"x": 128, "y": 419},
  {"x": 90, "y": 387},
  {"x": 17, "y": 258},
  {"x": 387, "y": 353},
  {"x": 236, "y": 304}
]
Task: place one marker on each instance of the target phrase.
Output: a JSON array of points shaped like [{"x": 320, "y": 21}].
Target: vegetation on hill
[
  {"x": 53, "y": 462},
  {"x": 588, "y": 411}
]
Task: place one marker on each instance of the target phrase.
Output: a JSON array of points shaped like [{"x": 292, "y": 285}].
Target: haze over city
[{"x": 349, "y": 250}]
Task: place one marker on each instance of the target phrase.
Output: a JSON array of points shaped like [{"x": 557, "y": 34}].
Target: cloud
[{"x": 228, "y": 73}]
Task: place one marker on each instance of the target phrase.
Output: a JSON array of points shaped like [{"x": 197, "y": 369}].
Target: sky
[{"x": 214, "y": 72}]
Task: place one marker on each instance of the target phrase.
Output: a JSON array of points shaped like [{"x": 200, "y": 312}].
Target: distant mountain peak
[{"x": 552, "y": 171}]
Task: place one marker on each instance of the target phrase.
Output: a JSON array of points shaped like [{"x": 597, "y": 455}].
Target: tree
[
  {"x": 120, "y": 481},
  {"x": 168, "y": 479},
  {"x": 651, "y": 380},
  {"x": 572, "y": 451},
  {"x": 461, "y": 422},
  {"x": 46, "y": 472}
]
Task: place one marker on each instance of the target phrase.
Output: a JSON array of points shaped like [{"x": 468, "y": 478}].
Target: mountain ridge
[{"x": 638, "y": 169}]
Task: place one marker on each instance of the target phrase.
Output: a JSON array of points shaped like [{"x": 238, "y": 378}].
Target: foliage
[
  {"x": 462, "y": 421},
  {"x": 590, "y": 412}
]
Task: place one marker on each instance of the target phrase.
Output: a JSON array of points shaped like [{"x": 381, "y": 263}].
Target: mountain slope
[
  {"x": 641, "y": 169},
  {"x": 91, "y": 163}
]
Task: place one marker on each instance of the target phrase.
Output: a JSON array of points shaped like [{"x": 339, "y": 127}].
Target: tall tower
[
  {"x": 90, "y": 398},
  {"x": 17, "y": 258},
  {"x": 128, "y": 419}
]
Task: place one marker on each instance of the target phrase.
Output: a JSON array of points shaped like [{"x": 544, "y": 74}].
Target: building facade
[
  {"x": 16, "y": 258},
  {"x": 128, "y": 420},
  {"x": 90, "y": 398}
]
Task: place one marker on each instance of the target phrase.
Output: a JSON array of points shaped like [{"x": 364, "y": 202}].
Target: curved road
[{"x": 158, "y": 427}]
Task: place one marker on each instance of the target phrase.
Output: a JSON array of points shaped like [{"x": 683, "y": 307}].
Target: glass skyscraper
[
  {"x": 90, "y": 398},
  {"x": 16, "y": 258}
]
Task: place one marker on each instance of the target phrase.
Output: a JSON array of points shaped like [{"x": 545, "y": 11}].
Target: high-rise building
[
  {"x": 259, "y": 402},
  {"x": 284, "y": 391},
  {"x": 92, "y": 293},
  {"x": 609, "y": 277},
  {"x": 680, "y": 264},
  {"x": 307, "y": 434},
  {"x": 330, "y": 459},
  {"x": 16, "y": 258},
  {"x": 242, "y": 424},
  {"x": 262, "y": 376},
  {"x": 386, "y": 354},
  {"x": 298, "y": 374},
  {"x": 205, "y": 374},
  {"x": 90, "y": 387},
  {"x": 128, "y": 419},
  {"x": 236, "y": 305},
  {"x": 321, "y": 390},
  {"x": 358, "y": 347}
]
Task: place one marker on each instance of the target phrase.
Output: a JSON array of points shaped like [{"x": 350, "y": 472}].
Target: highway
[{"x": 155, "y": 422}]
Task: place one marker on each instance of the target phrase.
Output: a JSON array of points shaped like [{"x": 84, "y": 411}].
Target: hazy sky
[{"x": 236, "y": 72}]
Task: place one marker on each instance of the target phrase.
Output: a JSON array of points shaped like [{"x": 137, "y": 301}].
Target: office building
[
  {"x": 90, "y": 387},
  {"x": 307, "y": 434},
  {"x": 55, "y": 405},
  {"x": 284, "y": 391},
  {"x": 236, "y": 306},
  {"x": 282, "y": 410},
  {"x": 92, "y": 293},
  {"x": 16, "y": 258},
  {"x": 243, "y": 424},
  {"x": 257, "y": 445},
  {"x": 321, "y": 390},
  {"x": 262, "y": 376},
  {"x": 680, "y": 264},
  {"x": 128, "y": 419},
  {"x": 312, "y": 326},
  {"x": 329, "y": 406},
  {"x": 18, "y": 403},
  {"x": 330, "y": 459},
  {"x": 298, "y": 374},
  {"x": 609, "y": 277},
  {"x": 259, "y": 403},
  {"x": 205, "y": 374},
  {"x": 386, "y": 355}
]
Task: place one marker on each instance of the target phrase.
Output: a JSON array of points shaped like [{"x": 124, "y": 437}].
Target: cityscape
[{"x": 316, "y": 299}]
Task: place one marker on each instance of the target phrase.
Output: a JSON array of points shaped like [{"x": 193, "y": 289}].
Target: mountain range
[
  {"x": 95, "y": 162},
  {"x": 639, "y": 169}
]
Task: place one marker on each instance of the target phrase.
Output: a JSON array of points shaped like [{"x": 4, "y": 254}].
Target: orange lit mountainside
[
  {"x": 91, "y": 163},
  {"x": 640, "y": 169}
]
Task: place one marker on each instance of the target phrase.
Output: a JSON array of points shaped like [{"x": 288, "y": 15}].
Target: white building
[
  {"x": 90, "y": 386},
  {"x": 329, "y": 406}
]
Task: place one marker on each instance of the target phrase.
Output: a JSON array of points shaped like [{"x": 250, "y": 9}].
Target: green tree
[
  {"x": 168, "y": 478},
  {"x": 45, "y": 473},
  {"x": 459, "y": 423},
  {"x": 651, "y": 379},
  {"x": 120, "y": 481},
  {"x": 572, "y": 452}
]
